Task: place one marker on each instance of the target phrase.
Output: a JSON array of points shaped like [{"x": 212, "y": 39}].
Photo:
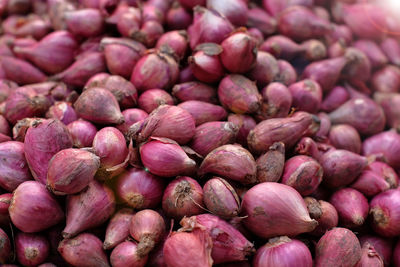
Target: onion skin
[
  {"x": 221, "y": 198},
  {"x": 5, "y": 201},
  {"x": 171, "y": 161},
  {"x": 118, "y": 228},
  {"x": 391, "y": 48},
  {"x": 235, "y": 11},
  {"x": 284, "y": 252},
  {"x": 131, "y": 116},
  {"x": 139, "y": 189},
  {"x": 71, "y": 170},
  {"x": 203, "y": 112},
  {"x": 287, "y": 130},
  {"x": 31, "y": 249},
  {"x": 344, "y": 136},
  {"x": 5, "y": 245},
  {"x": 153, "y": 98},
  {"x": 147, "y": 227},
  {"x": 385, "y": 213},
  {"x": 33, "y": 208},
  {"x": 334, "y": 99},
  {"x": 230, "y": 161},
  {"x": 188, "y": 249},
  {"x": 341, "y": 167},
  {"x": 324, "y": 213},
  {"x": 369, "y": 257},
  {"x": 270, "y": 165},
  {"x": 245, "y": 124},
  {"x": 372, "y": 51},
  {"x": 287, "y": 74},
  {"x": 281, "y": 202},
  {"x": 98, "y": 105},
  {"x": 211, "y": 135},
  {"x": 277, "y": 101},
  {"x": 266, "y": 69},
  {"x": 303, "y": 174},
  {"x": 376, "y": 178},
  {"x": 338, "y": 247},
  {"x": 82, "y": 133},
  {"x": 14, "y": 168},
  {"x": 194, "y": 91},
  {"x": 125, "y": 254},
  {"x": 88, "y": 209},
  {"x": 21, "y": 71},
  {"x": 83, "y": 244},
  {"x": 382, "y": 246},
  {"x": 258, "y": 18},
  {"x": 41, "y": 134},
  {"x": 307, "y": 95},
  {"x": 182, "y": 197},
  {"x": 351, "y": 205},
  {"x": 62, "y": 111},
  {"x": 281, "y": 47},
  {"x": 178, "y": 18},
  {"x": 228, "y": 243},
  {"x": 86, "y": 22},
  {"x": 389, "y": 103},
  {"x": 176, "y": 41}
]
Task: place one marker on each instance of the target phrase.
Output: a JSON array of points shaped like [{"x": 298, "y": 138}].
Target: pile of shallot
[{"x": 197, "y": 133}]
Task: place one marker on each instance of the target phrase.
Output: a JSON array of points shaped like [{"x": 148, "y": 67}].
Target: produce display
[{"x": 197, "y": 133}]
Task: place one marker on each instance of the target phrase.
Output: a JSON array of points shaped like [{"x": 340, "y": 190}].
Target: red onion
[
  {"x": 71, "y": 170},
  {"x": 5, "y": 201},
  {"x": 176, "y": 41},
  {"x": 6, "y": 87},
  {"x": 307, "y": 95},
  {"x": 339, "y": 32},
  {"x": 140, "y": 189},
  {"x": 387, "y": 79},
  {"x": 281, "y": 202},
  {"x": 230, "y": 161},
  {"x": 5, "y": 252},
  {"x": 270, "y": 165},
  {"x": 33, "y": 208},
  {"x": 359, "y": 69},
  {"x": 4, "y": 126},
  {"x": 313, "y": 50},
  {"x": 149, "y": 33},
  {"x": 86, "y": 22},
  {"x": 235, "y": 11},
  {"x": 182, "y": 197},
  {"x": 150, "y": 11},
  {"x": 257, "y": 35},
  {"x": 334, "y": 99},
  {"x": 82, "y": 69},
  {"x": 24, "y": 26},
  {"x": 389, "y": 103},
  {"x": 188, "y": 249},
  {"x": 84, "y": 244},
  {"x": 14, "y": 170},
  {"x": 228, "y": 243},
  {"x": 245, "y": 124},
  {"x": 82, "y": 133},
  {"x": 171, "y": 160},
  {"x": 277, "y": 101},
  {"x": 274, "y": 7},
  {"x": 293, "y": 252},
  {"x": 369, "y": 257},
  {"x": 98, "y": 105},
  {"x": 62, "y": 111},
  {"x": 239, "y": 94},
  {"x": 336, "y": 247},
  {"x": 396, "y": 257},
  {"x": 121, "y": 55},
  {"x": 382, "y": 246},
  {"x": 206, "y": 64},
  {"x": 281, "y": 47},
  {"x": 52, "y": 54},
  {"x": 126, "y": 254},
  {"x": 203, "y": 112},
  {"x": 118, "y": 228},
  {"x": 220, "y": 198},
  {"x": 351, "y": 205},
  {"x": 131, "y": 116},
  {"x": 40, "y": 135},
  {"x": 258, "y": 18},
  {"x": 366, "y": 116},
  {"x": 287, "y": 130},
  {"x": 239, "y": 52},
  {"x": 324, "y": 213},
  {"x": 21, "y": 71},
  {"x": 153, "y": 98},
  {"x": 194, "y": 91},
  {"x": 303, "y": 174},
  {"x": 391, "y": 48},
  {"x": 208, "y": 26},
  {"x": 128, "y": 21},
  {"x": 385, "y": 214},
  {"x": 189, "y": 4},
  {"x": 88, "y": 209},
  {"x": 325, "y": 126},
  {"x": 177, "y": 17},
  {"x": 147, "y": 227},
  {"x": 384, "y": 144},
  {"x": 372, "y": 51},
  {"x": 266, "y": 69},
  {"x": 31, "y": 249},
  {"x": 344, "y": 136}
]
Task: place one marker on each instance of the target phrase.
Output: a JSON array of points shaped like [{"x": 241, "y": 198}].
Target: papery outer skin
[
  {"x": 5, "y": 201},
  {"x": 307, "y": 95},
  {"x": 31, "y": 249},
  {"x": 175, "y": 40},
  {"x": 21, "y": 71},
  {"x": 125, "y": 254},
  {"x": 334, "y": 99},
  {"x": 303, "y": 174},
  {"x": 51, "y": 134},
  {"x": 82, "y": 133},
  {"x": 33, "y": 208},
  {"x": 131, "y": 116},
  {"x": 351, "y": 205},
  {"x": 329, "y": 218},
  {"x": 391, "y": 48},
  {"x": 284, "y": 252},
  {"x": 369, "y": 257},
  {"x": 194, "y": 91},
  {"x": 372, "y": 51},
  {"x": 230, "y": 161},
  {"x": 381, "y": 245},
  {"x": 276, "y": 209},
  {"x": 277, "y": 101},
  {"x": 182, "y": 197},
  {"x": 260, "y": 19},
  {"x": 281, "y": 47},
  {"x": 287, "y": 130},
  {"x": 86, "y": 22},
  {"x": 62, "y": 111},
  {"x": 71, "y": 170},
  {"x": 265, "y": 70},
  {"x": 221, "y": 198},
  {"x": 178, "y": 18},
  {"x": 14, "y": 169},
  {"x": 270, "y": 165},
  {"x": 88, "y": 209},
  {"x": 235, "y": 11},
  {"x": 385, "y": 214},
  {"x": 89, "y": 245},
  {"x": 211, "y": 135},
  {"x": 338, "y": 247},
  {"x": 287, "y": 74},
  {"x": 228, "y": 243},
  {"x": 153, "y": 98},
  {"x": 87, "y": 106},
  {"x": 390, "y": 105},
  {"x": 118, "y": 228},
  {"x": 245, "y": 124},
  {"x": 325, "y": 126},
  {"x": 5, "y": 252},
  {"x": 140, "y": 189},
  {"x": 344, "y": 136},
  {"x": 188, "y": 249},
  {"x": 204, "y": 112}
]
